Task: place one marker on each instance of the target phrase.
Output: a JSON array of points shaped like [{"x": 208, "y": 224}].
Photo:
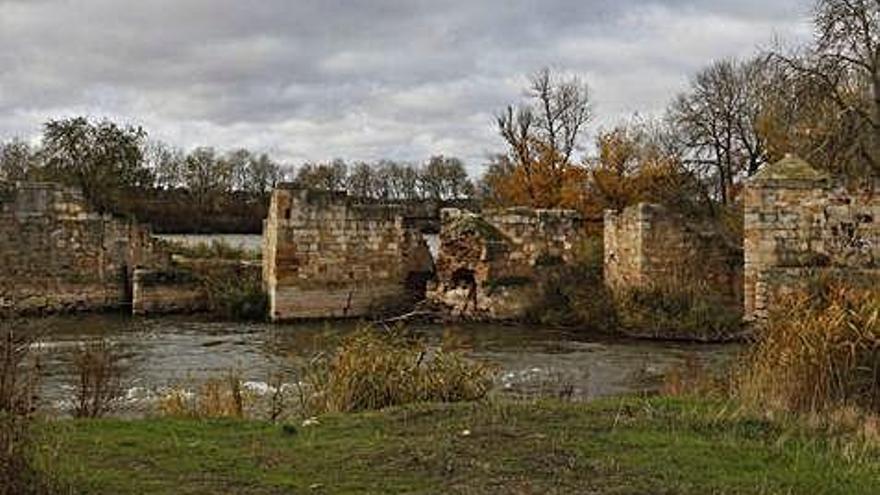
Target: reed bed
[
  {"x": 373, "y": 369},
  {"x": 821, "y": 352}
]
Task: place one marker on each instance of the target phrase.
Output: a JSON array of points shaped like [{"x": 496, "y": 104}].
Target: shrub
[
  {"x": 820, "y": 351},
  {"x": 677, "y": 313},
  {"x": 99, "y": 372},
  {"x": 574, "y": 294},
  {"x": 372, "y": 369},
  {"x": 238, "y": 295},
  {"x": 19, "y": 394}
]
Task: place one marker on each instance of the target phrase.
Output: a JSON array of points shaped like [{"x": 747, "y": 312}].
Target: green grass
[{"x": 620, "y": 446}]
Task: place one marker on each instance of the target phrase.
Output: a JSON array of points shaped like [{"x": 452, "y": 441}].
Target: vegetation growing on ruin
[
  {"x": 470, "y": 224},
  {"x": 677, "y": 312},
  {"x": 575, "y": 295},
  {"x": 235, "y": 294},
  {"x": 217, "y": 249}
]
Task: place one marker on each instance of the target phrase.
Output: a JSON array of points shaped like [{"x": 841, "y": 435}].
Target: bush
[
  {"x": 677, "y": 313},
  {"x": 574, "y": 295},
  {"x": 372, "y": 369},
  {"x": 821, "y": 351},
  {"x": 236, "y": 296},
  {"x": 99, "y": 372}
]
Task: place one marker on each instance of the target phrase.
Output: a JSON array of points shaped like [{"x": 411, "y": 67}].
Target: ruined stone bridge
[{"x": 327, "y": 255}]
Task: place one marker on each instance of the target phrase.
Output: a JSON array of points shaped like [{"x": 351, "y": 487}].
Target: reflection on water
[{"x": 165, "y": 351}]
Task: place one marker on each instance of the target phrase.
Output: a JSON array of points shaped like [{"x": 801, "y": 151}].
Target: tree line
[
  {"x": 121, "y": 171},
  {"x": 820, "y": 101}
]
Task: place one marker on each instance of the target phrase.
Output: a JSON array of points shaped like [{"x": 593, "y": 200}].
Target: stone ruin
[
  {"x": 56, "y": 254},
  {"x": 650, "y": 245},
  {"x": 489, "y": 264},
  {"x": 799, "y": 223},
  {"x": 328, "y": 255}
]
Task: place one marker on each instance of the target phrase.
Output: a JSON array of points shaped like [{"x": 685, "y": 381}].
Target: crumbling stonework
[
  {"x": 799, "y": 223},
  {"x": 647, "y": 244},
  {"x": 57, "y": 255},
  {"x": 489, "y": 264},
  {"x": 325, "y": 255}
]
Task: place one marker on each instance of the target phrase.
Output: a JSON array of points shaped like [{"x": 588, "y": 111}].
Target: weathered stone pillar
[{"x": 783, "y": 207}]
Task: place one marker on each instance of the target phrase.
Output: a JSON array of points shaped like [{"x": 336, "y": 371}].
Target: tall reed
[
  {"x": 373, "y": 369},
  {"x": 820, "y": 351}
]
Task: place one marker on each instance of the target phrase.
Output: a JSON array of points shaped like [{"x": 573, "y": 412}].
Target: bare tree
[
  {"x": 718, "y": 120},
  {"x": 845, "y": 63},
  {"x": 549, "y": 125}
]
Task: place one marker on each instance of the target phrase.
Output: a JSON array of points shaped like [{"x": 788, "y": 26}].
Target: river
[{"x": 174, "y": 351}]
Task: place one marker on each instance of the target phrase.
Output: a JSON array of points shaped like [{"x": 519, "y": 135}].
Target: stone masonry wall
[
  {"x": 798, "y": 223},
  {"x": 325, "y": 255},
  {"x": 647, "y": 244},
  {"x": 489, "y": 263},
  {"x": 57, "y": 255}
]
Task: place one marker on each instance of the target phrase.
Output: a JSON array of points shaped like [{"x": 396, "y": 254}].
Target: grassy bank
[{"x": 621, "y": 446}]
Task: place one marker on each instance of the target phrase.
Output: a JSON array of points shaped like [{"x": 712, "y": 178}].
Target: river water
[
  {"x": 175, "y": 351},
  {"x": 183, "y": 351}
]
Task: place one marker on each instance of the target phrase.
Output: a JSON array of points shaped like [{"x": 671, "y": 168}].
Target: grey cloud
[{"x": 318, "y": 79}]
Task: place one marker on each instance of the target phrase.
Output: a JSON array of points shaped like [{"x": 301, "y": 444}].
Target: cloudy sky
[{"x": 318, "y": 79}]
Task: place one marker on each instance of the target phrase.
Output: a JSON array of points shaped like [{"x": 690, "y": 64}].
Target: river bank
[{"x": 617, "y": 445}]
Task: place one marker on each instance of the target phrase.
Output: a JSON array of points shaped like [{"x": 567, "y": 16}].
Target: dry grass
[
  {"x": 373, "y": 369},
  {"x": 693, "y": 379},
  {"x": 223, "y": 397},
  {"x": 820, "y": 353}
]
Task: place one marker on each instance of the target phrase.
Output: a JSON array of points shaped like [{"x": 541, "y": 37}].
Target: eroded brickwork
[
  {"x": 797, "y": 223},
  {"x": 57, "y": 255},
  {"x": 489, "y": 264},
  {"x": 646, "y": 244},
  {"x": 325, "y": 255}
]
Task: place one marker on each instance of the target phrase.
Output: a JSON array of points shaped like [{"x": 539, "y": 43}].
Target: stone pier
[
  {"x": 327, "y": 255},
  {"x": 798, "y": 224}
]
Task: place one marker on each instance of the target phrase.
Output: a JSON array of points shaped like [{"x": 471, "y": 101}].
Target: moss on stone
[
  {"x": 791, "y": 168},
  {"x": 477, "y": 225}
]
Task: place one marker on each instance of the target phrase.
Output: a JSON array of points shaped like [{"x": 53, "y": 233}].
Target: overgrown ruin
[
  {"x": 489, "y": 264},
  {"x": 799, "y": 223},
  {"x": 327, "y": 255}
]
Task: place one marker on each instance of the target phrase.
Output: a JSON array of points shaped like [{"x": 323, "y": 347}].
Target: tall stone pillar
[{"x": 783, "y": 207}]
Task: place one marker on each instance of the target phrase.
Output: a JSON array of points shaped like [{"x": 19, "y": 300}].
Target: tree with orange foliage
[
  {"x": 542, "y": 136},
  {"x": 634, "y": 165}
]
